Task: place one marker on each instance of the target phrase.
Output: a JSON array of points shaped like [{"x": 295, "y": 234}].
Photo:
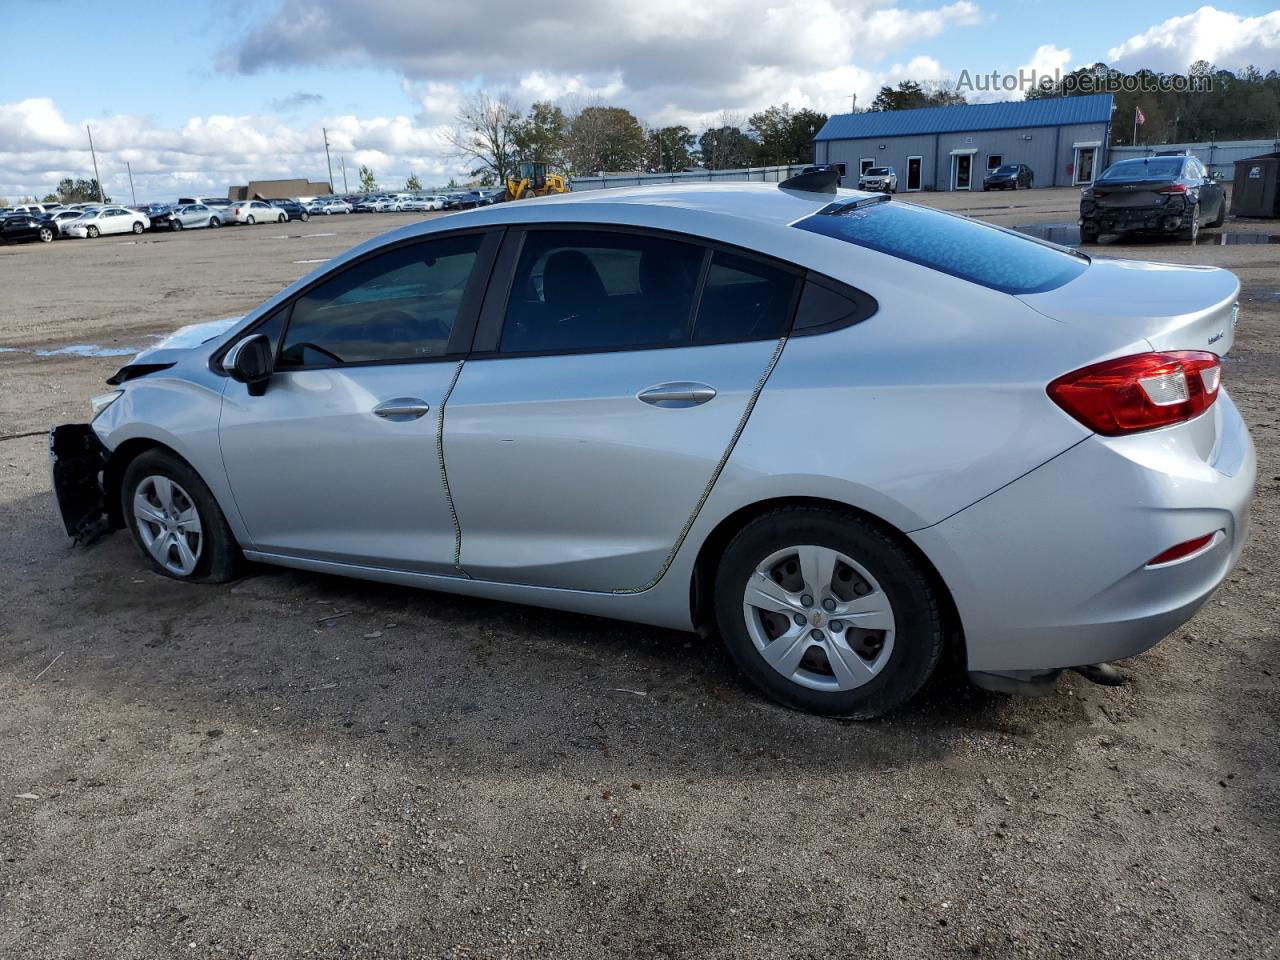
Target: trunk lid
[
  {"x": 1135, "y": 193},
  {"x": 1171, "y": 306}
]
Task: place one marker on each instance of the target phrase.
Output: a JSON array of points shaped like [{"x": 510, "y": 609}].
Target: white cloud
[
  {"x": 1225, "y": 39},
  {"x": 38, "y": 147}
]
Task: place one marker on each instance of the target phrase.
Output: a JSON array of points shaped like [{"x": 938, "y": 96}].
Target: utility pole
[
  {"x": 853, "y": 103},
  {"x": 343, "y": 161},
  {"x": 96, "y": 179},
  {"x": 325, "y": 133},
  {"x": 133, "y": 193}
]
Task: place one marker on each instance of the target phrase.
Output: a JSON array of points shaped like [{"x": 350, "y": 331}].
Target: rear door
[{"x": 612, "y": 373}]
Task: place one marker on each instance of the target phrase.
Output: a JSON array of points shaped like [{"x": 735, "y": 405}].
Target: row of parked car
[{"x": 48, "y": 222}]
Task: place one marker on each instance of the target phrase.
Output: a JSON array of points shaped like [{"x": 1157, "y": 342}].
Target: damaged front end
[{"x": 78, "y": 460}]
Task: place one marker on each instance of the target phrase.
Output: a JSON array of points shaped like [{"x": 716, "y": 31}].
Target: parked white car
[
  {"x": 95, "y": 223},
  {"x": 879, "y": 180},
  {"x": 254, "y": 211},
  {"x": 64, "y": 219}
]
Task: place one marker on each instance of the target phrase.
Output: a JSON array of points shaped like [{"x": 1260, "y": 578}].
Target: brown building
[{"x": 278, "y": 189}]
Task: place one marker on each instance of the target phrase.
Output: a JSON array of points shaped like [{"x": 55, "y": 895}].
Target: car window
[
  {"x": 964, "y": 248},
  {"x": 399, "y": 305},
  {"x": 744, "y": 299},
  {"x": 584, "y": 289}
]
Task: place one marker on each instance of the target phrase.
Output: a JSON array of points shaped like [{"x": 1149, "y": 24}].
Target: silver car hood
[{"x": 170, "y": 349}]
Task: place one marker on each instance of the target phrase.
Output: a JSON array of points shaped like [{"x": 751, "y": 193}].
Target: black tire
[
  {"x": 214, "y": 222},
  {"x": 220, "y": 558},
  {"x": 46, "y": 235},
  {"x": 1193, "y": 231},
  {"x": 91, "y": 232},
  {"x": 920, "y": 625},
  {"x": 304, "y": 216},
  {"x": 1088, "y": 237},
  {"x": 283, "y": 218},
  {"x": 175, "y": 225},
  {"x": 249, "y": 220},
  {"x": 138, "y": 227},
  {"x": 1222, "y": 215}
]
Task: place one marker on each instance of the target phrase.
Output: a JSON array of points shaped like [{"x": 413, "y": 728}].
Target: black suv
[{"x": 1164, "y": 195}]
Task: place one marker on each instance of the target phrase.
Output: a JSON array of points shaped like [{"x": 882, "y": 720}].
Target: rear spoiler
[{"x": 823, "y": 178}]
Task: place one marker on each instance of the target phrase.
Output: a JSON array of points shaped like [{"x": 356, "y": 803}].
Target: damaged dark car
[{"x": 1169, "y": 196}]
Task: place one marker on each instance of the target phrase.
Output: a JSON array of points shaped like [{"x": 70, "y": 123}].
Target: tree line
[{"x": 494, "y": 135}]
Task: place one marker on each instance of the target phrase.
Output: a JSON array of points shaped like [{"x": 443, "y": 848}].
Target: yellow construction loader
[{"x": 532, "y": 180}]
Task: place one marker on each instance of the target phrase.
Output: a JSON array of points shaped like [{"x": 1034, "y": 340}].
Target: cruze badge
[{"x": 1215, "y": 338}]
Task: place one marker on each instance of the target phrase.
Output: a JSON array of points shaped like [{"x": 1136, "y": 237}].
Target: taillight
[
  {"x": 1141, "y": 392},
  {"x": 1182, "y": 550},
  {"x": 1176, "y": 188}
]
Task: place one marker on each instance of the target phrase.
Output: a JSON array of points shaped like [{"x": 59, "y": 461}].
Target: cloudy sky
[{"x": 200, "y": 94}]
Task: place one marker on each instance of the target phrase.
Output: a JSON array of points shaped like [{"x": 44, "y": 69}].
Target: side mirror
[{"x": 250, "y": 362}]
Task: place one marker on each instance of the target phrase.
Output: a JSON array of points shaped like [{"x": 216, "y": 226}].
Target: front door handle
[
  {"x": 683, "y": 393},
  {"x": 402, "y": 408}
]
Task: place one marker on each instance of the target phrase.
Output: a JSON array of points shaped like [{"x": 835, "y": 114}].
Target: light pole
[
  {"x": 133, "y": 193},
  {"x": 325, "y": 133},
  {"x": 96, "y": 179}
]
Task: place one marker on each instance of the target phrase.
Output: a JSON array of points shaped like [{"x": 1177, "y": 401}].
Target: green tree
[
  {"x": 412, "y": 184},
  {"x": 79, "y": 191},
  {"x": 910, "y": 95},
  {"x": 671, "y": 149},
  {"x": 784, "y": 135},
  {"x": 368, "y": 182},
  {"x": 542, "y": 135},
  {"x": 605, "y": 138},
  {"x": 726, "y": 148},
  {"x": 50, "y": 198}
]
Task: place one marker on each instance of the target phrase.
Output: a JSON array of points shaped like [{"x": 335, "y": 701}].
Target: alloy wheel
[
  {"x": 819, "y": 618},
  {"x": 168, "y": 524}
]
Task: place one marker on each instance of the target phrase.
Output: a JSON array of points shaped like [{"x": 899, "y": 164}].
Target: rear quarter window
[{"x": 969, "y": 249}]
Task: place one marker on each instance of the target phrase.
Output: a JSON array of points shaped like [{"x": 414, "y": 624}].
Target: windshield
[
  {"x": 1152, "y": 168},
  {"x": 877, "y": 172},
  {"x": 1007, "y": 168},
  {"x": 964, "y": 248}
]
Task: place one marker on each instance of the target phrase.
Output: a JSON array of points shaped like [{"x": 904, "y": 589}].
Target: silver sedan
[
  {"x": 191, "y": 216},
  {"x": 841, "y": 431}
]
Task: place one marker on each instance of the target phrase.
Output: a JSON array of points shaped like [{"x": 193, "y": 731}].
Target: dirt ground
[{"x": 305, "y": 766}]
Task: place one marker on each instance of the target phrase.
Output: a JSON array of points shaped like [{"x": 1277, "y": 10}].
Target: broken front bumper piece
[{"x": 77, "y": 458}]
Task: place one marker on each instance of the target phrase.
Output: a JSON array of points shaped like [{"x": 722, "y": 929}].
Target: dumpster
[{"x": 1256, "y": 191}]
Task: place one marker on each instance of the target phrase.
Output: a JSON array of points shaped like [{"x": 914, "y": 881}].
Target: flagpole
[{"x": 1135, "y": 124}]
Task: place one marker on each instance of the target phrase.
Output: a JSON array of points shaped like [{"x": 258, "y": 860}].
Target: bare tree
[{"x": 485, "y": 135}]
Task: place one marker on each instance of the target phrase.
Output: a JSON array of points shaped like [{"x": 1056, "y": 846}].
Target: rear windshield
[
  {"x": 964, "y": 248},
  {"x": 1161, "y": 168}
]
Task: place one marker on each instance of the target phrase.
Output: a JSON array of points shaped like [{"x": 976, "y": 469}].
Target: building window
[{"x": 994, "y": 160}]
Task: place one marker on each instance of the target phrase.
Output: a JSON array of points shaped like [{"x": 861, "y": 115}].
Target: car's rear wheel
[
  {"x": 138, "y": 227},
  {"x": 827, "y": 612},
  {"x": 176, "y": 522},
  {"x": 214, "y": 222},
  {"x": 282, "y": 218},
  {"x": 304, "y": 216},
  {"x": 249, "y": 220},
  {"x": 1088, "y": 236},
  {"x": 46, "y": 235},
  {"x": 1193, "y": 231},
  {"x": 91, "y": 232}
]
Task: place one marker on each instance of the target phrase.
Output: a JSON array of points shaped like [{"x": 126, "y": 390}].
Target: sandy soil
[{"x": 302, "y": 766}]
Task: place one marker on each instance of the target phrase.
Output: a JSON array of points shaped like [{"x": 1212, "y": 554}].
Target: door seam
[
  {"x": 715, "y": 475},
  {"x": 444, "y": 473}
]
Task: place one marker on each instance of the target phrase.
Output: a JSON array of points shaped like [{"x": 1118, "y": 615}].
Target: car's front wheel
[
  {"x": 175, "y": 520},
  {"x": 214, "y": 222},
  {"x": 175, "y": 225},
  {"x": 46, "y": 235},
  {"x": 91, "y": 232},
  {"x": 827, "y": 612},
  {"x": 304, "y": 216}
]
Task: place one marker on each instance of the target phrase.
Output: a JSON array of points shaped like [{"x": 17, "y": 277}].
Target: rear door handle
[
  {"x": 683, "y": 393},
  {"x": 402, "y": 408}
]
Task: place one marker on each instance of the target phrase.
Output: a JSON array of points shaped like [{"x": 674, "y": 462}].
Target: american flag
[{"x": 1137, "y": 115}]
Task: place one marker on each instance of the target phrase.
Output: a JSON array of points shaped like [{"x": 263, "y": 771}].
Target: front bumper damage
[{"x": 77, "y": 459}]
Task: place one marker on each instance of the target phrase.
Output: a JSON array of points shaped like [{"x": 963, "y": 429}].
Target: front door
[
  {"x": 913, "y": 173},
  {"x": 964, "y": 171},
  {"x": 339, "y": 459},
  {"x": 582, "y": 443},
  {"x": 1084, "y": 164}
]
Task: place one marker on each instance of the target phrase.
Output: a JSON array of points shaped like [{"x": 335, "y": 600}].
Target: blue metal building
[{"x": 1062, "y": 140}]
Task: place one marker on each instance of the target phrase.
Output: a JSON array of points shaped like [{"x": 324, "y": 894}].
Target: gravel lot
[{"x": 305, "y": 766}]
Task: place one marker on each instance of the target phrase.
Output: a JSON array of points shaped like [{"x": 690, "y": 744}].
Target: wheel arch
[
  {"x": 701, "y": 604},
  {"x": 118, "y": 462}
]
